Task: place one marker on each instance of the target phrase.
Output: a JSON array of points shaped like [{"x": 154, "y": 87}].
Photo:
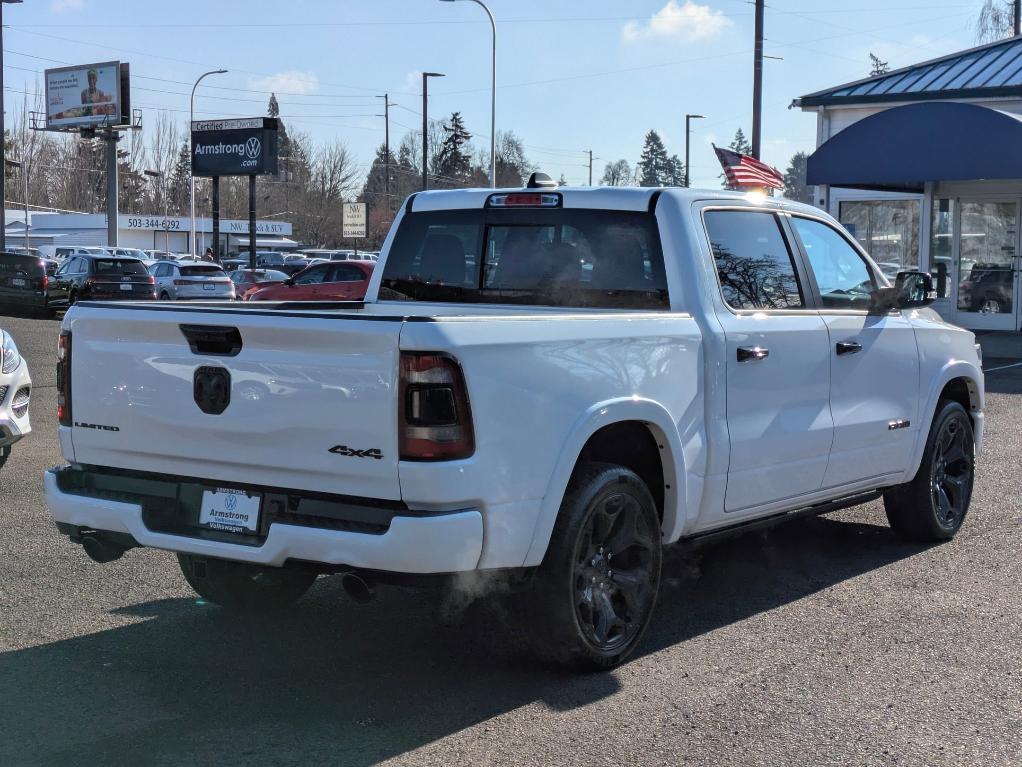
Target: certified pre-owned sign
[{"x": 234, "y": 147}]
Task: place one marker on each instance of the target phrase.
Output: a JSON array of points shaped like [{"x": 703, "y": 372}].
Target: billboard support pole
[
  {"x": 252, "y": 222},
  {"x": 3, "y": 144},
  {"x": 111, "y": 138},
  {"x": 216, "y": 219}
]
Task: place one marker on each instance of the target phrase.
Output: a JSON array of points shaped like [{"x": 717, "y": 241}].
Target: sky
[{"x": 571, "y": 75}]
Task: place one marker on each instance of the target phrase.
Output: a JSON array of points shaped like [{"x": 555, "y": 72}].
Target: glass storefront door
[{"x": 987, "y": 245}]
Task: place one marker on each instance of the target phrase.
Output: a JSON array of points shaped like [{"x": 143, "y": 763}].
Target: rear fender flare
[{"x": 664, "y": 431}]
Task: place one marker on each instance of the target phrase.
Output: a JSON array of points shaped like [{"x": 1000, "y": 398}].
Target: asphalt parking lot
[{"x": 826, "y": 642}]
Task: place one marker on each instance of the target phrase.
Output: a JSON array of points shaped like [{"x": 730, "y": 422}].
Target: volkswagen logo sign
[
  {"x": 253, "y": 147},
  {"x": 231, "y": 502}
]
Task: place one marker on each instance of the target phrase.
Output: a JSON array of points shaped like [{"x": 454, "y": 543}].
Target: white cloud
[
  {"x": 678, "y": 22},
  {"x": 292, "y": 81},
  {"x": 59, "y": 6}
]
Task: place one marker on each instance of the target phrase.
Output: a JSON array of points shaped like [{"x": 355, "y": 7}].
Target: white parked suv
[
  {"x": 546, "y": 385},
  {"x": 15, "y": 393},
  {"x": 180, "y": 280}
]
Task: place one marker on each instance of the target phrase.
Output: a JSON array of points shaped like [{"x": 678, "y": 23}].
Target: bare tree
[{"x": 996, "y": 20}]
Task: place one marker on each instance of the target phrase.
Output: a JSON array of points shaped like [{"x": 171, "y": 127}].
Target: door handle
[
  {"x": 752, "y": 353},
  {"x": 848, "y": 347}
]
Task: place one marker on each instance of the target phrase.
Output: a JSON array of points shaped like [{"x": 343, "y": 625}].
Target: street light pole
[
  {"x": 191, "y": 178},
  {"x": 757, "y": 81},
  {"x": 425, "y": 127},
  {"x": 493, "y": 93},
  {"x": 688, "y": 130},
  {"x": 3, "y": 133}
]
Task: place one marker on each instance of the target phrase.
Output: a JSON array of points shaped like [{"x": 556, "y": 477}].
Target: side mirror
[
  {"x": 912, "y": 290},
  {"x": 290, "y": 281}
]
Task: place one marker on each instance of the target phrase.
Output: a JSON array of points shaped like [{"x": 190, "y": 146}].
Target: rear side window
[
  {"x": 346, "y": 273},
  {"x": 753, "y": 261},
  {"x": 118, "y": 267},
  {"x": 542, "y": 257}
]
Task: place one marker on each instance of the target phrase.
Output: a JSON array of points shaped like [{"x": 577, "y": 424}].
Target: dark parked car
[
  {"x": 24, "y": 281},
  {"x": 102, "y": 278},
  {"x": 990, "y": 288}
]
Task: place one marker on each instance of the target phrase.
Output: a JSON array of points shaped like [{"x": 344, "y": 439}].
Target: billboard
[
  {"x": 245, "y": 147},
  {"x": 353, "y": 219},
  {"x": 83, "y": 96}
]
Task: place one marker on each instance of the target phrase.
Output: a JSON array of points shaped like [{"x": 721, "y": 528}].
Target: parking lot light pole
[
  {"x": 24, "y": 193},
  {"x": 493, "y": 93},
  {"x": 191, "y": 178},
  {"x": 425, "y": 126},
  {"x": 166, "y": 210},
  {"x": 688, "y": 130},
  {"x": 3, "y": 130}
]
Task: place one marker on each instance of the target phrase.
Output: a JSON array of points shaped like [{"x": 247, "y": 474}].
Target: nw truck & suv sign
[{"x": 246, "y": 147}]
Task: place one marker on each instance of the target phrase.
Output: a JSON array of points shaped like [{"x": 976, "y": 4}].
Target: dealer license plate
[
  {"x": 209, "y": 286},
  {"x": 18, "y": 282},
  {"x": 126, "y": 286},
  {"x": 231, "y": 511}
]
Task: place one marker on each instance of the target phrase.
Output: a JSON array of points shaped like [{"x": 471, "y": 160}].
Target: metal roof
[{"x": 990, "y": 70}]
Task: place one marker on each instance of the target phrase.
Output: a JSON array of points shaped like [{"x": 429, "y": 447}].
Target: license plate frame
[{"x": 229, "y": 510}]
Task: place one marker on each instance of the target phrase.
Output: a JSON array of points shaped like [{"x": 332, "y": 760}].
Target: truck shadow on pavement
[{"x": 329, "y": 681}]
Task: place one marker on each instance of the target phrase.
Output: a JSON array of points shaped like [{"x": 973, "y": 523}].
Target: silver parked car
[{"x": 179, "y": 280}]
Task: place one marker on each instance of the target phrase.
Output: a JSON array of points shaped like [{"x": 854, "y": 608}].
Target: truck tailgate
[{"x": 312, "y": 398}]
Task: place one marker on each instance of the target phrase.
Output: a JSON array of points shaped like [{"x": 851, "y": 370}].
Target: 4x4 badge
[{"x": 350, "y": 452}]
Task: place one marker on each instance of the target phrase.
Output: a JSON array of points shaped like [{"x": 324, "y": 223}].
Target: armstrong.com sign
[{"x": 234, "y": 147}]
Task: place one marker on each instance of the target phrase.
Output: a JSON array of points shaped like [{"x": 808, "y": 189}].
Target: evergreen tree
[
  {"x": 562, "y": 181},
  {"x": 179, "y": 180},
  {"x": 877, "y": 67},
  {"x": 675, "y": 173},
  {"x": 795, "y": 187},
  {"x": 654, "y": 164},
  {"x": 453, "y": 161},
  {"x": 375, "y": 189},
  {"x": 741, "y": 145}
]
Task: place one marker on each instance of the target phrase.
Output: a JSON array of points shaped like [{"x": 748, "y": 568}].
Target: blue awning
[{"x": 904, "y": 147}]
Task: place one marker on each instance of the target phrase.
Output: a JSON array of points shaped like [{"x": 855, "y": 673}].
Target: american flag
[{"x": 743, "y": 171}]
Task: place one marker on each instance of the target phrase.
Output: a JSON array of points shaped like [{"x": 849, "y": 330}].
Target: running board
[{"x": 723, "y": 533}]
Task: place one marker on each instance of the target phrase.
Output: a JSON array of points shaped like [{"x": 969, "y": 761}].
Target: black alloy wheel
[
  {"x": 614, "y": 581},
  {"x": 951, "y": 472}
]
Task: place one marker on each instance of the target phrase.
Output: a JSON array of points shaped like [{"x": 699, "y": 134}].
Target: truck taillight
[
  {"x": 435, "y": 420},
  {"x": 64, "y": 378}
]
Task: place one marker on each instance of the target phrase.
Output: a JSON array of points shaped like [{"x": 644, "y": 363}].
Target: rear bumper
[
  {"x": 438, "y": 543},
  {"x": 32, "y": 298}
]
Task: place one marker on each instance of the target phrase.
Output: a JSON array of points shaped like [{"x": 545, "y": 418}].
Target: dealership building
[
  {"x": 923, "y": 167},
  {"x": 145, "y": 232}
]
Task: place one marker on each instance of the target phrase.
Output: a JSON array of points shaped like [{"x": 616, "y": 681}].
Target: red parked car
[
  {"x": 249, "y": 280},
  {"x": 335, "y": 281}
]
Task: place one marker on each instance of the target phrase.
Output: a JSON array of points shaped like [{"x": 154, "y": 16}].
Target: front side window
[
  {"x": 886, "y": 229},
  {"x": 844, "y": 280},
  {"x": 311, "y": 276},
  {"x": 753, "y": 260},
  {"x": 530, "y": 256}
]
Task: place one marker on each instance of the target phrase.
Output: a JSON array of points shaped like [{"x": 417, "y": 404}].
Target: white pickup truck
[{"x": 546, "y": 384}]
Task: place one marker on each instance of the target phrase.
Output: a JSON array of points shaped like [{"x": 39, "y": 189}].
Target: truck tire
[
  {"x": 241, "y": 586},
  {"x": 589, "y": 602},
  {"x": 933, "y": 505}
]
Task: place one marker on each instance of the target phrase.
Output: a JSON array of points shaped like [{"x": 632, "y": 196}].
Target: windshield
[
  {"x": 552, "y": 257},
  {"x": 118, "y": 266}
]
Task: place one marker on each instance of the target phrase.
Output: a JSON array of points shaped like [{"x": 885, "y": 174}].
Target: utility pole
[
  {"x": 1017, "y": 18},
  {"x": 688, "y": 131},
  {"x": 386, "y": 148},
  {"x": 757, "y": 81},
  {"x": 425, "y": 127},
  {"x": 3, "y": 134},
  {"x": 112, "y": 186},
  {"x": 590, "y": 151}
]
